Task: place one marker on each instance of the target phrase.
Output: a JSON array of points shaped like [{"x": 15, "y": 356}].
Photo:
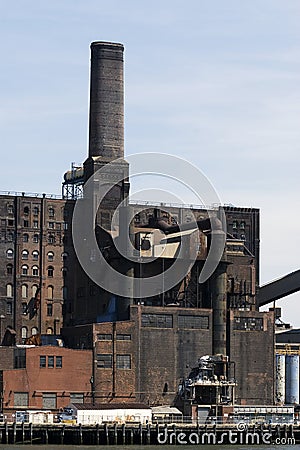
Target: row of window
[
  {"x": 184, "y": 321},
  {"x": 35, "y": 271},
  {"x": 34, "y": 331},
  {"x": 25, "y": 254},
  {"x": 236, "y": 224},
  {"x": 24, "y": 332},
  {"x": 49, "y": 310},
  {"x": 35, "y": 255},
  {"x": 248, "y": 324},
  {"x": 108, "y": 337},
  {"x": 105, "y": 361},
  {"x": 51, "y": 360},
  {"x": 9, "y": 237},
  {"x": 49, "y": 399},
  {"x": 25, "y": 291},
  {"x": 35, "y": 210}
]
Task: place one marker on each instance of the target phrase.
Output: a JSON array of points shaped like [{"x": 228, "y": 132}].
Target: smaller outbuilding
[
  {"x": 89, "y": 414},
  {"x": 166, "y": 414}
]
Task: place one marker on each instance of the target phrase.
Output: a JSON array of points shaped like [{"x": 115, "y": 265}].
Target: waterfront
[{"x": 147, "y": 447}]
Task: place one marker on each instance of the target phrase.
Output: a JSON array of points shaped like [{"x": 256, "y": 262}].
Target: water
[{"x": 148, "y": 447}]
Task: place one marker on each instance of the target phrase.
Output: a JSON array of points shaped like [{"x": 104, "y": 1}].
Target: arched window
[
  {"x": 35, "y": 238},
  {"x": 24, "y": 291},
  {"x": 35, "y": 271},
  {"x": 64, "y": 271},
  {"x": 10, "y": 209},
  {"x": 24, "y": 270},
  {"x": 35, "y": 211},
  {"x": 26, "y": 210},
  {"x": 9, "y": 269},
  {"x": 34, "y": 331},
  {"x": 34, "y": 289},
  {"x": 9, "y": 290},
  {"x": 35, "y": 255},
  {"x": 50, "y": 256},
  {"x": 24, "y": 332},
  {"x": 51, "y": 211},
  {"x": 50, "y": 271},
  {"x": 25, "y": 254},
  {"x": 24, "y": 308},
  {"x": 9, "y": 253},
  {"x": 50, "y": 292},
  {"x": 49, "y": 330},
  {"x": 25, "y": 237},
  {"x": 64, "y": 256}
]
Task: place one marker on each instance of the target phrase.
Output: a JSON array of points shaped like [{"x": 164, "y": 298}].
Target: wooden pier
[{"x": 113, "y": 434}]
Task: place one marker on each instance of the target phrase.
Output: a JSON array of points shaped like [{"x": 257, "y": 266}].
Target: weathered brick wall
[{"x": 253, "y": 354}]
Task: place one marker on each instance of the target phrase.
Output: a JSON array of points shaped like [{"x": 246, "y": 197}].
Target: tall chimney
[{"x": 106, "y": 128}]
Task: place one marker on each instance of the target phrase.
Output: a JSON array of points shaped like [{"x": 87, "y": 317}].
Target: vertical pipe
[
  {"x": 106, "y": 125},
  {"x": 280, "y": 379},
  {"x": 114, "y": 362},
  {"x": 292, "y": 379},
  {"x": 219, "y": 305}
]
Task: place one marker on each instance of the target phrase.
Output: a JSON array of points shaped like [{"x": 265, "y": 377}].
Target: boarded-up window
[
  {"x": 76, "y": 398},
  {"x": 21, "y": 399},
  {"x": 248, "y": 324},
  {"x": 157, "y": 320},
  {"x": 49, "y": 400},
  {"x": 193, "y": 322}
]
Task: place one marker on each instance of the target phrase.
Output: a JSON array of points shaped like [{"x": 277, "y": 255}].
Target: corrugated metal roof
[{"x": 100, "y": 406}]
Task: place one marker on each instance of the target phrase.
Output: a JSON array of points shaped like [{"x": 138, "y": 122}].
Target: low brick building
[{"x": 47, "y": 377}]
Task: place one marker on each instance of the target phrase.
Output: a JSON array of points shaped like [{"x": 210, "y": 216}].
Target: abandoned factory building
[{"x": 142, "y": 348}]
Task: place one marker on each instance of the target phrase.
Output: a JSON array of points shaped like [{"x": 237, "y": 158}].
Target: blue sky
[{"x": 216, "y": 82}]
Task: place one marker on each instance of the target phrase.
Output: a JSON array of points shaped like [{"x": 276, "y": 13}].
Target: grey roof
[
  {"x": 165, "y": 409},
  {"x": 290, "y": 336}
]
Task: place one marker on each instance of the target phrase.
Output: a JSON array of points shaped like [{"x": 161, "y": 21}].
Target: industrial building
[{"x": 143, "y": 348}]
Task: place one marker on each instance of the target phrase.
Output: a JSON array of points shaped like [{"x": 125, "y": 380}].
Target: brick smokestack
[{"x": 106, "y": 128}]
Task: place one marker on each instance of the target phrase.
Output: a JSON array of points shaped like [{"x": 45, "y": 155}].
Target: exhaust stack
[{"x": 106, "y": 124}]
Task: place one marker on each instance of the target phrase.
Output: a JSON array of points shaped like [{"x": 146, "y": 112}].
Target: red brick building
[{"x": 47, "y": 377}]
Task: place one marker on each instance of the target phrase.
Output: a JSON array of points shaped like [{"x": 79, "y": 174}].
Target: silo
[
  {"x": 280, "y": 379},
  {"x": 292, "y": 379}
]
